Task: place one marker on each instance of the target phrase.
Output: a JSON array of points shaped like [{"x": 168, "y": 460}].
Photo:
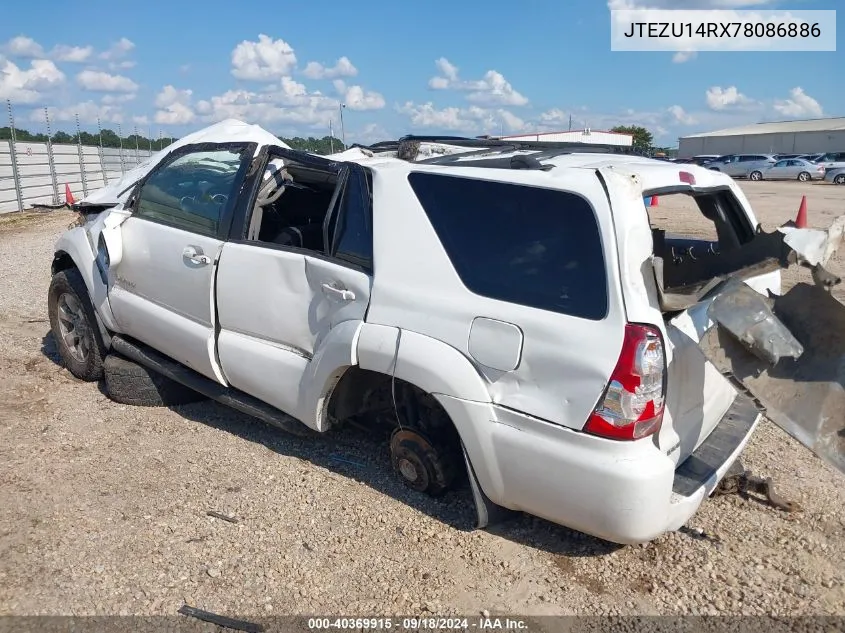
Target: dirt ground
[{"x": 103, "y": 507}]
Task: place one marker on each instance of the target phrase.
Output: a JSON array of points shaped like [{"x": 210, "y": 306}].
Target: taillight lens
[{"x": 633, "y": 404}]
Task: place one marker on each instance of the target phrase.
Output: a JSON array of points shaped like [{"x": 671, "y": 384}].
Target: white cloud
[
  {"x": 119, "y": 49},
  {"x": 113, "y": 98},
  {"x": 71, "y": 54},
  {"x": 555, "y": 116},
  {"x": 729, "y": 98},
  {"x": 116, "y": 52},
  {"x": 356, "y": 98},
  {"x": 140, "y": 120},
  {"x": 447, "y": 69},
  {"x": 688, "y": 4},
  {"x": 97, "y": 81},
  {"x": 174, "y": 106},
  {"x": 271, "y": 107},
  {"x": 27, "y": 86},
  {"x": 175, "y": 114},
  {"x": 370, "y": 133},
  {"x": 471, "y": 120},
  {"x": 492, "y": 90},
  {"x": 799, "y": 105},
  {"x": 23, "y": 46},
  {"x": 170, "y": 95},
  {"x": 88, "y": 111},
  {"x": 681, "y": 116},
  {"x": 264, "y": 60},
  {"x": 342, "y": 68},
  {"x": 681, "y": 57}
]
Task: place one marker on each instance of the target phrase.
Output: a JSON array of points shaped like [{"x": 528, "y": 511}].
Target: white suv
[{"x": 509, "y": 315}]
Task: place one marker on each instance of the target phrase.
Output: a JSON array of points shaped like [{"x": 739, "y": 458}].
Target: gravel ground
[{"x": 103, "y": 507}]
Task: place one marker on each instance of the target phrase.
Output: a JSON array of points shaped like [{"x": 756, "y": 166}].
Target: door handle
[
  {"x": 195, "y": 256},
  {"x": 341, "y": 293}
]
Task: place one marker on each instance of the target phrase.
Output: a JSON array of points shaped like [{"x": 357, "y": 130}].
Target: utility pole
[
  {"x": 342, "y": 129},
  {"x": 331, "y": 136},
  {"x": 570, "y": 122}
]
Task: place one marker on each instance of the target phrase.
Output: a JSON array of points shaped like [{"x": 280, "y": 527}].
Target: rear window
[{"x": 526, "y": 245}]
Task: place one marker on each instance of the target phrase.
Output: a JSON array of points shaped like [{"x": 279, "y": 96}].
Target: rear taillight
[{"x": 633, "y": 404}]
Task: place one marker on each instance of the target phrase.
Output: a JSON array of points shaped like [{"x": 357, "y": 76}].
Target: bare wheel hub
[
  {"x": 408, "y": 470},
  {"x": 73, "y": 326},
  {"x": 416, "y": 461}
]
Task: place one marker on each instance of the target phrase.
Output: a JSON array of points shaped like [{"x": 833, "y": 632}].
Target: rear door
[
  {"x": 778, "y": 171},
  {"x": 162, "y": 286},
  {"x": 289, "y": 313}
]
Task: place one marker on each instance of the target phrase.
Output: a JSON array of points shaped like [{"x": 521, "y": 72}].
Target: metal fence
[{"x": 36, "y": 173}]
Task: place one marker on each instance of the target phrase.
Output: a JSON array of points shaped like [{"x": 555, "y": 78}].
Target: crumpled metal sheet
[
  {"x": 748, "y": 316},
  {"x": 815, "y": 247},
  {"x": 805, "y": 396}
]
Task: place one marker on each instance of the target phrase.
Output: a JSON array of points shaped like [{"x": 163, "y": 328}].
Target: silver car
[
  {"x": 836, "y": 175},
  {"x": 749, "y": 166},
  {"x": 793, "y": 169}
]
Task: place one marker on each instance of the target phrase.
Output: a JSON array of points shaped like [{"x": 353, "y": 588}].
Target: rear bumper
[{"x": 625, "y": 492}]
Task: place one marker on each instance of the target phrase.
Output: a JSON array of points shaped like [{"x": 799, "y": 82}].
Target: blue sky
[{"x": 460, "y": 67}]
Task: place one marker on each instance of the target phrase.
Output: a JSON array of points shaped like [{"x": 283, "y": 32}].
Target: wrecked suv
[{"x": 508, "y": 313}]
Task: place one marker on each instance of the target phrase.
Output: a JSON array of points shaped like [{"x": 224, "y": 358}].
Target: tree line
[
  {"x": 643, "y": 140},
  {"x": 109, "y": 138}
]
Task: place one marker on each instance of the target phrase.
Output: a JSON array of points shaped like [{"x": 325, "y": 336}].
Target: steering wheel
[
  {"x": 220, "y": 198},
  {"x": 185, "y": 202}
]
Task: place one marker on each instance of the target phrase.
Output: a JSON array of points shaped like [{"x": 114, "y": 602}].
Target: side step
[{"x": 144, "y": 355}]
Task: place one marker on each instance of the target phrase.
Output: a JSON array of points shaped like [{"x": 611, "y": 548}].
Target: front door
[
  {"x": 162, "y": 292},
  {"x": 291, "y": 300}
]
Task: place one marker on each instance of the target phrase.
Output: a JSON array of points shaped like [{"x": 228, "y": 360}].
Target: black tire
[
  {"x": 804, "y": 176},
  {"x": 84, "y": 354},
  {"x": 839, "y": 179},
  {"x": 755, "y": 175},
  {"x": 128, "y": 382}
]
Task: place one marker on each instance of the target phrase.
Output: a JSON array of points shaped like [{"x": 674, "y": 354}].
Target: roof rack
[{"x": 487, "y": 146}]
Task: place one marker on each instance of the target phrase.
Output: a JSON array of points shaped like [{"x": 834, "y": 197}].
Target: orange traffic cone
[
  {"x": 68, "y": 196},
  {"x": 654, "y": 201},
  {"x": 801, "y": 220}
]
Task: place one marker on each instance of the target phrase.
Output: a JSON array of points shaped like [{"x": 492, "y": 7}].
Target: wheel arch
[
  {"x": 72, "y": 250},
  {"x": 393, "y": 362}
]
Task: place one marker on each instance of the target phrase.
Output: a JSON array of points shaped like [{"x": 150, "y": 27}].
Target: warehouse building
[
  {"x": 594, "y": 137},
  {"x": 784, "y": 137}
]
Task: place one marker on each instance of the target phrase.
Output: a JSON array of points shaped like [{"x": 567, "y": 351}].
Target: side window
[
  {"x": 783, "y": 163},
  {"x": 191, "y": 192},
  {"x": 353, "y": 234},
  {"x": 526, "y": 245}
]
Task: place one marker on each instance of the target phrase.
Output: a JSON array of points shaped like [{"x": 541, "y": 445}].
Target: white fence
[{"x": 36, "y": 173}]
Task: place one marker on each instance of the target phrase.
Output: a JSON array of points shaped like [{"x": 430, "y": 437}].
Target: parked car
[
  {"x": 811, "y": 157},
  {"x": 832, "y": 160},
  {"x": 793, "y": 169},
  {"x": 500, "y": 318},
  {"x": 835, "y": 175},
  {"x": 702, "y": 159},
  {"x": 749, "y": 166}
]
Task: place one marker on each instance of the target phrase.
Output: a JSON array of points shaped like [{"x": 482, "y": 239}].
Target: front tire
[
  {"x": 74, "y": 326},
  {"x": 755, "y": 175},
  {"x": 129, "y": 383},
  {"x": 804, "y": 176}
]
